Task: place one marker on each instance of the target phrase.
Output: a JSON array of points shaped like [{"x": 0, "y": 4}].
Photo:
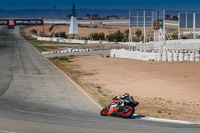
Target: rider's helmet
[
  {"x": 125, "y": 95},
  {"x": 116, "y": 98}
]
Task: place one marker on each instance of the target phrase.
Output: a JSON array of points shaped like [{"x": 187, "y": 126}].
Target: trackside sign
[
  {"x": 29, "y": 22},
  {"x": 21, "y": 22},
  {"x": 3, "y": 22},
  {"x": 11, "y": 22}
]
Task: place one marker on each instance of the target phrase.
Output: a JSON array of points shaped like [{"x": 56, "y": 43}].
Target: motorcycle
[{"x": 114, "y": 109}]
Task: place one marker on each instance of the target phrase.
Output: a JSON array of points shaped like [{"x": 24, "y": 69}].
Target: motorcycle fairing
[{"x": 113, "y": 106}]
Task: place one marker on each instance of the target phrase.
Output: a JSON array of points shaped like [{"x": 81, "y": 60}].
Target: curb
[{"x": 167, "y": 120}]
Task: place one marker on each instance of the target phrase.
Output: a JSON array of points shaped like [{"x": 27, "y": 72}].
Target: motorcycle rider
[{"x": 126, "y": 98}]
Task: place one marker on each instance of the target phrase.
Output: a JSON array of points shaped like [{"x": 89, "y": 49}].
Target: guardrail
[{"x": 62, "y": 40}]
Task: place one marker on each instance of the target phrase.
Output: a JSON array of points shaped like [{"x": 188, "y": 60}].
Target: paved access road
[{"x": 37, "y": 98}]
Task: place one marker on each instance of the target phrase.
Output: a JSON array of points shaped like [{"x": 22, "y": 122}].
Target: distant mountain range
[{"x": 61, "y": 14}]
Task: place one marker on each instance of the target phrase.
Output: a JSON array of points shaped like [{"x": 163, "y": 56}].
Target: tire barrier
[
  {"x": 152, "y": 56},
  {"x": 69, "y": 50}
]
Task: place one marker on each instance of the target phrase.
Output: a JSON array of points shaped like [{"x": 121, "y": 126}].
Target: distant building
[
  {"x": 92, "y": 17},
  {"x": 113, "y": 18}
]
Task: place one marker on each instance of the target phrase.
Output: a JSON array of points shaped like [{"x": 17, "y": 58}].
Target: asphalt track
[{"x": 35, "y": 97}]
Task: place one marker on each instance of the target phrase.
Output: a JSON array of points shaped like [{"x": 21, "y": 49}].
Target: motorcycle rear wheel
[{"x": 128, "y": 113}]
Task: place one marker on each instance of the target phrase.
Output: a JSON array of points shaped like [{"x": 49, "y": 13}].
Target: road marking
[
  {"x": 7, "y": 131},
  {"x": 167, "y": 120}
]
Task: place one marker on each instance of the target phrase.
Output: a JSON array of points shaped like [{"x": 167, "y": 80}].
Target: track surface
[{"x": 36, "y": 97}]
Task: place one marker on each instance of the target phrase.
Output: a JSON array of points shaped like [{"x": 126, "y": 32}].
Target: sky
[{"x": 183, "y": 5}]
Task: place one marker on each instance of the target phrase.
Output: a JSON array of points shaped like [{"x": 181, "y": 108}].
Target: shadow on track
[{"x": 137, "y": 117}]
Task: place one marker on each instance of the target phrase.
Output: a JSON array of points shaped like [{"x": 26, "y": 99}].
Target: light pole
[{"x": 54, "y": 12}]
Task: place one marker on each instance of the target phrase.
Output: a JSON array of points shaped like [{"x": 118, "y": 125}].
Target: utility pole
[
  {"x": 62, "y": 13},
  {"x": 194, "y": 26},
  {"x": 54, "y": 14},
  {"x": 73, "y": 11},
  {"x": 130, "y": 32},
  {"x": 144, "y": 31},
  {"x": 179, "y": 31}
]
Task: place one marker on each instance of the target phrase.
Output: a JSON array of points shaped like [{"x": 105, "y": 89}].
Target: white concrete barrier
[
  {"x": 192, "y": 55},
  {"x": 170, "y": 56},
  {"x": 34, "y": 36},
  {"x": 58, "y": 39},
  {"x": 158, "y": 56},
  {"x": 175, "y": 56},
  {"x": 186, "y": 57},
  {"x": 181, "y": 57},
  {"x": 143, "y": 56},
  {"x": 197, "y": 57},
  {"x": 150, "y": 56},
  {"x": 164, "y": 56}
]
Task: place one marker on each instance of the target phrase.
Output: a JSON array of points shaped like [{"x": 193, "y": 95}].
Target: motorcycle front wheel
[{"x": 104, "y": 111}]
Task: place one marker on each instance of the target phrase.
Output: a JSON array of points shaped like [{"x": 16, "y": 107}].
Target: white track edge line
[{"x": 168, "y": 120}]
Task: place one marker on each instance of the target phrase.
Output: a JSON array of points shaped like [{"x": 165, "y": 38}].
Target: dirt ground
[
  {"x": 164, "y": 89},
  {"x": 83, "y": 31}
]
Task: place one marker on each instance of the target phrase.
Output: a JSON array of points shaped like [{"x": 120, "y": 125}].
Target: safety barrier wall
[
  {"x": 169, "y": 44},
  {"x": 188, "y": 44},
  {"x": 69, "y": 50},
  {"x": 58, "y": 39},
  {"x": 151, "y": 56}
]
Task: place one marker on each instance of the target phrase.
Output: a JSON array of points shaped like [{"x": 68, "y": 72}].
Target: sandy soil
[
  {"x": 172, "y": 88},
  {"x": 83, "y": 31},
  {"x": 106, "y": 28}
]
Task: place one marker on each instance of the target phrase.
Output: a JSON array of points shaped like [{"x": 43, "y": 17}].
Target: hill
[{"x": 62, "y": 13}]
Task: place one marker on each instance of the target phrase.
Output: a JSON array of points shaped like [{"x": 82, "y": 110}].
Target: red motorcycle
[{"x": 114, "y": 109}]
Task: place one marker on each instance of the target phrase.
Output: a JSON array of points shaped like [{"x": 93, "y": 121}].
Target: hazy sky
[{"x": 188, "y": 5}]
